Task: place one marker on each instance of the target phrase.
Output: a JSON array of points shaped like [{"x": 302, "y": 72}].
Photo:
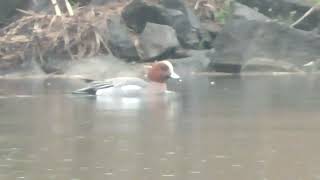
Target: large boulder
[
  {"x": 119, "y": 41},
  {"x": 241, "y": 40},
  {"x": 197, "y": 61},
  {"x": 181, "y": 6},
  {"x": 137, "y": 13},
  {"x": 188, "y": 30},
  {"x": 99, "y": 2},
  {"x": 157, "y": 41},
  {"x": 8, "y": 9},
  {"x": 241, "y": 11},
  {"x": 287, "y": 10}
]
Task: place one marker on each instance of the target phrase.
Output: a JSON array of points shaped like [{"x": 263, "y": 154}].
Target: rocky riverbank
[{"x": 110, "y": 37}]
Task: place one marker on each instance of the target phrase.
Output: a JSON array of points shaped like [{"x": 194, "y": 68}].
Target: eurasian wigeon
[{"x": 157, "y": 76}]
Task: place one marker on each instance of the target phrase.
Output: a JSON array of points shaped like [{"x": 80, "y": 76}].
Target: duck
[{"x": 156, "y": 77}]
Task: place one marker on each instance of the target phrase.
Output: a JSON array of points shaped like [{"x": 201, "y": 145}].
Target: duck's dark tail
[
  {"x": 86, "y": 90},
  {"x": 92, "y": 88}
]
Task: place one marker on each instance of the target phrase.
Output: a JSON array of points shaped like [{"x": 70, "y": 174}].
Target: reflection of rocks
[
  {"x": 242, "y": 40},
  {"x": 119, "y": 40},
  {"x": 157, "y": 40}
]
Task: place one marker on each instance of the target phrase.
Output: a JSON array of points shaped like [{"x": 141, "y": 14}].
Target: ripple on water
[
  {"x": 17, "y": 96},
  {"x": 168, "y": 175},
  {"x": 108, "y": 174},
  {"x": 195, "y": 172},
  {"x": 170, "y": 153},
  {"x": 23, "y": 96},
  {"x": 124, "y": 170}
]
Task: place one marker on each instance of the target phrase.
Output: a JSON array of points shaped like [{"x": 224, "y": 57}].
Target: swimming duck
[{"x": 157, "y": 76}]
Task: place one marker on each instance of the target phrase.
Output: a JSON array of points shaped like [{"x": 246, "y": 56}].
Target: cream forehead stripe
[
  {"x": 173, "y": 74},
  {"x": 168, "y": 63}
]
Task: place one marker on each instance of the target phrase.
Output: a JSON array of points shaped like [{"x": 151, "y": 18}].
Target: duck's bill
[{"x": 174, "y": 75}]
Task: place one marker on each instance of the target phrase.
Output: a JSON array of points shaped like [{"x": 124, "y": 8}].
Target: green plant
[
  {"x": 73, "y": 2},
  {"x": 316, "y": 1},
  {"x": 222, "y": 14}
]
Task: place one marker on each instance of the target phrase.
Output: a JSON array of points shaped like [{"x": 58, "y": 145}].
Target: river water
[{"x": 225, "y": 128}]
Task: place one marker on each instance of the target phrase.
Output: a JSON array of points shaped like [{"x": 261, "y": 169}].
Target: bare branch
[
  {"x": 305, "y": 15},
  {"x": 56, "y": 7}
]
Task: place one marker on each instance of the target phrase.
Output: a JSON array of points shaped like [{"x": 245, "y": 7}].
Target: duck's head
[{"x": 161, "y": 71}]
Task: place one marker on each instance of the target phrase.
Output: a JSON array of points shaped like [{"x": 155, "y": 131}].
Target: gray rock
[
  {"x": 8, "y": 9},
  {"x": 187, "y": 35},
  {"x": 188, "y": 29},
  {"x": 211, "y": 27},
  {"x": 157, "y": 40},
  {"x": 139, "y": 12},
  {"x": 268, "y": 65},
  {"x": 241, "y": 40},
  {"x": 181, "y": 6},
  {"x": 120, "y": 43},
  {"x": 174, "y": 4},
  {"x": 241, "y": 11},
  {"x": 287, "y": 10},
  {"x": 197, "y": 62},
  {"x": 100, "y": 2}
]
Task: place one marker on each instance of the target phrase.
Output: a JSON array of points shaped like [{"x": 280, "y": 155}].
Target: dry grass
[{"x": 38, "y": 36}]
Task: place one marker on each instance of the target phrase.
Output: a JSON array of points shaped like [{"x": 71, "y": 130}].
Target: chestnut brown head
[{"x": 161, "y": 71}]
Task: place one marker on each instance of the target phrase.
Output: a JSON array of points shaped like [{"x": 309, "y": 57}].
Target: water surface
[{"x": 259, "y": 128}]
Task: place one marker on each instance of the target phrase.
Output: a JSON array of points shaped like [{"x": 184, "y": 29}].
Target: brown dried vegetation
[{"x": 38, "y": 36}]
